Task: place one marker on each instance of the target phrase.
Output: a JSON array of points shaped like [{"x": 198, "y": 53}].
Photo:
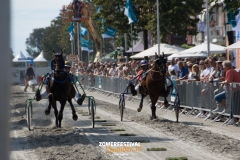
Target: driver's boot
[
  {"x": 132, "y": 88},
  {"x": 38, "y": 95},
  {"x": 81, "y": 99}
]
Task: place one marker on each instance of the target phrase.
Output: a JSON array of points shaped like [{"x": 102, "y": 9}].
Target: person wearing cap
[
  {"x": 141, "y": 76},
  {"x": 29, "y": 76},
  {"x": 78, "y": 98}
]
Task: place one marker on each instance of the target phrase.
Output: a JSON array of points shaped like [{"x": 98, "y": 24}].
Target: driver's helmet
[
  {"x": 143, "y": 62},
  {"x": 67, "y": 64},
  {"x": 57, "y": 54}
]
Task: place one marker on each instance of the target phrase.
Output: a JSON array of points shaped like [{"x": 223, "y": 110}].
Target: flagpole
[
  {"x": 132, "y": 41},
  {"x": 103, "y": 47},
  {"x": 208, "y": 33},
  {"x": 72, "y": 46},
  {"x": 158, "y": 28},
  {"x": 78, "y": 41},
  {"x": 88, "y": 50}
]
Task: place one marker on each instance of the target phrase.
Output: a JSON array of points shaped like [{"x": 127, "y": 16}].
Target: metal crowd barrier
[{"x": 193, "y": 95}]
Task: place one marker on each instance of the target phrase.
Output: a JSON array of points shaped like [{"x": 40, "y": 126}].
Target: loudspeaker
[{"x": 230, "y": 35}]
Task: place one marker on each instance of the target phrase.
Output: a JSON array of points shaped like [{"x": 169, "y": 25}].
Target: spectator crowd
[{"x": 206, "y": 70}]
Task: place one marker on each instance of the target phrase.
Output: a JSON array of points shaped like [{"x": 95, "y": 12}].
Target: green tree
[
  {"x": 54, "y": 37},
  {"x": 34, "y": 42},
  {"x": 176, "y": 16}
]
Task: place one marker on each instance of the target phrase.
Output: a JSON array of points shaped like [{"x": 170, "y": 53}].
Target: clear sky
[{"x": 27, "y": 15}]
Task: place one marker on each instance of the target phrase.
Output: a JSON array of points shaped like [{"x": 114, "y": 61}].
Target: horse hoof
[
  {"x": 75, "y": 117},
  {"x": 139, "y": 109},
  {"x": 47, "y": 111},
  {"x": 38, "y": 97},
  {"x": 79, "y": 101}
]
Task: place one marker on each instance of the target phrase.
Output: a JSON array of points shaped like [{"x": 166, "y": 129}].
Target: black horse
[{"x": 61, "y": 90}]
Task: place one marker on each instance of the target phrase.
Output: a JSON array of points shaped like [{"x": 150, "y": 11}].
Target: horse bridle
[{"x": 162, "y": 67}]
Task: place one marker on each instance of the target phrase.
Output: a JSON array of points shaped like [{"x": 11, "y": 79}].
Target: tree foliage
[
  {"x": 54, "y": 37},
  {"x": 34, "y": 42},
  {"x": 176, "y": 16}
]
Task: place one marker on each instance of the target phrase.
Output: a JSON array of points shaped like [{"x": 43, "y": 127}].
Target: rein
[{"x": 152, "y": 76}]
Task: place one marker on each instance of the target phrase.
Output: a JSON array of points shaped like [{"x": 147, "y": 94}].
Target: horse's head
[
  {"x": 58, "y": 63},
  {"x": 160, "y": 63}
]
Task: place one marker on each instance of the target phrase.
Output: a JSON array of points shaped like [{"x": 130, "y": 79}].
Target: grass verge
[
  {"x": 128, "y": 134},
  {"x": 156, "y": 149}
]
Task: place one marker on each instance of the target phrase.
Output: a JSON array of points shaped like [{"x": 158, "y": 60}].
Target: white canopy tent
[
  {"x": 203, "y": 49},
  {"x": 234, "y": 46},
  {"x": 40, "y": 58},
  {"x": 139, "y": 47},
  {"x": 199, "y": 51},
  {"x": 166, "y": 48},
  {"x": 183, "y": 55},
  {"x": 19, "y": 56}
]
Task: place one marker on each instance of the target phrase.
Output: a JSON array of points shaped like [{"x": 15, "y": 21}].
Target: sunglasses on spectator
[{"x": 201, "y": 63}]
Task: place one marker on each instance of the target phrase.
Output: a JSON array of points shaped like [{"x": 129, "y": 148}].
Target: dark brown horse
[
  {"x": 61, "y": 90},
  {"x": 155, "y": 84}
]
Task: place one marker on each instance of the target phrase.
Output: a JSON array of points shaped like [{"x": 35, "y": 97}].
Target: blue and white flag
[
  {"x": 83, "y": 31},
  {"x": 99, "y": 8},
  {"x": 71, "y": 31},
  {"x": 129, "y": 12},
  {"x": 86, "y": 45},
  {"x": 109, "y": 33}
]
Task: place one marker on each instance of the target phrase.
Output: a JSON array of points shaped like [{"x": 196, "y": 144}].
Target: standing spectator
[
  {"x": 183, "y": 73},
  {"x": 195, "y": 73},
  {"x": 173, "y": 66},
  {"x": 112, "y": 70},
  {"x": 29, "y": 76},
  {"x": 190, "y": 73},
  {"x": 201, "y": 67},
  {"x": 206, "y": 71},
  {"x": 214, "y": 70}
]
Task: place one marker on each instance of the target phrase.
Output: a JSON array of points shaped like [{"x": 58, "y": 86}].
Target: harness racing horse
[
  {"x": 155, "y": 85},
  {"x": 61, "y": 90}
]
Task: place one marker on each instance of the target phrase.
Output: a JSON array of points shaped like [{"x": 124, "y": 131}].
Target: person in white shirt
[
  {"x": 206, "y": 71},
  {"x": 112, "y": 70},
  {"x": 173, "y": 66}
]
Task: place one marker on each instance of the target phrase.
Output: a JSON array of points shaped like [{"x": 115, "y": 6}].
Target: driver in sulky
[{"x": 141, "y": 77}]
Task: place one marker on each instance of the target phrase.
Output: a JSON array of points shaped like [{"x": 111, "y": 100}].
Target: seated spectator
[{"x": 231, "y": 76}]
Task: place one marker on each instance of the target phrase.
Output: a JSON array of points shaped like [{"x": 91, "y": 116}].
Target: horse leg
[
  {"x": 48, "y": 109},
  {"x": 74, "y": 117},
  {"x": 54, "y": 105},
  {"x": 153, "y": 107},
  {"x": 60, "y": 115},
  {"x": 165, "y": 102},
  {"x": 141, "y": 103}
]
